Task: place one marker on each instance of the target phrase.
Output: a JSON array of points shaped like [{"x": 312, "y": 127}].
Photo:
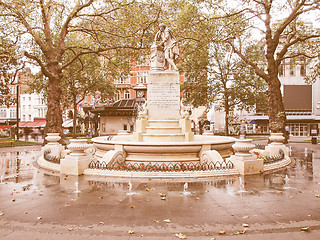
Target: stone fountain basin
[{"x": 164, "y": 152}]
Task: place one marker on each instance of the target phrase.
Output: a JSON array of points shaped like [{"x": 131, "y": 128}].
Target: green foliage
[{"x": 9, "y": 67}]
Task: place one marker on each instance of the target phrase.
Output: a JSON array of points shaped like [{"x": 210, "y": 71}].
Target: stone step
[
  {"x": 175, "y": 137},
  {"x": 163, "y": 123},
  {"x": 163, "y": 130}
]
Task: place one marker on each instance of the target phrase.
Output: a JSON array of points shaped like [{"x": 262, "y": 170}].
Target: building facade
[{"x": 301, "y": 102}]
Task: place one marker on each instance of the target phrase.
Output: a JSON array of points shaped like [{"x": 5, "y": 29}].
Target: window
[
  {"x": 29, "y": 98},
  {"x": 24, "y": 118},
  {"x": 292, "y": 66},
  {"x": 125, "y": 127},
  {"x": 29, "y": 107},
  {"x": 3, "y": 113},
  {"x": 103, "y": 127},
  {"x": 126, "y": 95},
  {"x": 29, "y": 117},
  {"x": 142, "y": 77},
  {"x": 13, "y": 113},
  {"x": 23, "y": 107},
  {"x": 123, "y": 79},
  {"x": 117, "y": 96}
]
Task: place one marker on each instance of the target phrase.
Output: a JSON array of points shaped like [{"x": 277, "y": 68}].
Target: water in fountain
[
  {"x": 130, "y": 190},
  {"x": 290, "y": 150},
  {"x": 306, "y": 152},
  {"x": 77, "y": 187},
  {"x": 185, "y": 189},
  {"x": 1, "y": 180},
  {"x": 242, "y": 188},
  {"x": 286, "y": 183}
]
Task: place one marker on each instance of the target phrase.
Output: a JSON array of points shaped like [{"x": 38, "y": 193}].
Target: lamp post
[{"x": 17, "y": 100}]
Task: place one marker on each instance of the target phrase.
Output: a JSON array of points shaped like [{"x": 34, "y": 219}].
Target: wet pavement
[{"x": 40, "y": 204}]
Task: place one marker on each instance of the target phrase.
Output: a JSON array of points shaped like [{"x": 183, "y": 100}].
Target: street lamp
[{"x": 17, "y": 100}]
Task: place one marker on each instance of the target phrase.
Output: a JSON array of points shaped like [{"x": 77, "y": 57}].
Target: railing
[{"x": 161, "y": 167}]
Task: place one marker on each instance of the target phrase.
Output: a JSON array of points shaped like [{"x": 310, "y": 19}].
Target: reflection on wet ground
[{"x": 29, "y": 192}]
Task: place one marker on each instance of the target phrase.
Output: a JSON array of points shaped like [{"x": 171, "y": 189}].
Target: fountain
[
  {"x": 129, "y": 193},
  {"x": 185, "y": 188},
  {"x": 1, "y": 180},
  {"x": 77, "y": 188},
  {"x": 306, "y": 152},
  {"x": 162, "y": 133},
  {"x": 242, "y": 188},
  {"x": 286, "y": 183}
]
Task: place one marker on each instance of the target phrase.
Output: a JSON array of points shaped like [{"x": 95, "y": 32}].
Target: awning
[
  {"x": 6, "y": 126},
  {"x": 39, "y": 123},
  {"x": 68, "y": 123}
]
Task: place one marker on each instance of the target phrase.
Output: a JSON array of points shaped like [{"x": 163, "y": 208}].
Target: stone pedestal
[
  {"x": 276, "y": 145},
  {"x": 245, "y": 162},
  {"x": 78, "y": 160},
  {"x": 163, "y": 95},
  {"x": 53, "y": 144}
]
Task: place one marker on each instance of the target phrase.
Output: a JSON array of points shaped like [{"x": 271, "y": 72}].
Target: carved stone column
[
  {"x": 78, "y": 160},
  {"x": 244, "y": 161}
]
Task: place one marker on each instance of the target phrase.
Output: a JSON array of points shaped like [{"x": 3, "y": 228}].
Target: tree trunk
[
  {"x": 75, "y": 113},
  {"x": 277, "y": 116},
  {"x": 226, "y": 126},
  {"x": 54, "y": 113}
]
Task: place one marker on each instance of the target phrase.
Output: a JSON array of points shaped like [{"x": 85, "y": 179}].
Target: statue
[{"x": 164, "y": 50}]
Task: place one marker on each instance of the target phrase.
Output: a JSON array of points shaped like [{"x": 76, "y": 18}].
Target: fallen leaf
[
  {"x": 130, "y": 232},
  {"x": 305, "y": 229},
  {"x": 13, "y": 200},
  {"x": 156, "y": 220},
  {"x": 1, "y": 213},
  {"x": 245, "y": 225},
  {"x": 132, "y": 206},
  {"x": 167, "y": 220},
  {"x": 180, "y": 235},
  {"x": 241, "y": 232},
  {"x": 100, "y": 197},
  {"x": 101, "y": 223},
  {"x": 317, "y": 195},
  {"x": 70, "y": 229},
  {"x": 309, "y": 215},
  {"x": 244, "y": 217},
  {"x": 279, "y": 215},
  {"x": 39, "y": 218},
  {"x": 163, "y": 198},
  {"x": 222, "y": 232},
  {"x": 147, "y": 189},
  {"x": 196, "y": 198}
]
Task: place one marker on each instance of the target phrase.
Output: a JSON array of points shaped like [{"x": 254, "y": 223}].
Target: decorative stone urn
[
  {"x": 276, "y": 138},
  {"x": 53, "y": 138},
  {"x": 78, "y": 160},
  {"x": 243, "y": 147},
  {"x": 78, "y": 146}
]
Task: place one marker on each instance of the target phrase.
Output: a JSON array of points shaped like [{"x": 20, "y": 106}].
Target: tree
[
  {"x": 82, "y": 78},
  {"x": 212, "y": 71},
  {"x": 284, "y": 35},
  {"x": 232, "y": 84},
  {"x": 43, "y": 28},
  {"x": 10, "y": 65}
]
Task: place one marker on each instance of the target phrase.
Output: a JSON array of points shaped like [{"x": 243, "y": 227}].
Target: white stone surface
[{"x": 163, "y": 95}]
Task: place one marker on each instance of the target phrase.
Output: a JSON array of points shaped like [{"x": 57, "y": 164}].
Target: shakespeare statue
[{"x": 164, "y": 50}]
